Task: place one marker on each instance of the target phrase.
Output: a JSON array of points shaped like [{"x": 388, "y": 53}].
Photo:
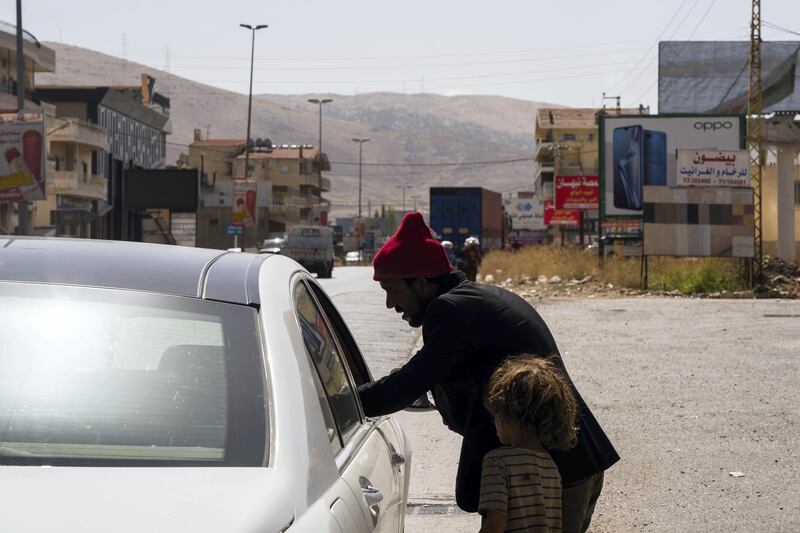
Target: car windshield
[{"x": 100, "y": 376}]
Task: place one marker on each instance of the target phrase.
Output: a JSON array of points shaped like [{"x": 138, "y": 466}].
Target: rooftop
[
  {"x": 561, "y": 117},
  {"x": 282, "y": 153}
]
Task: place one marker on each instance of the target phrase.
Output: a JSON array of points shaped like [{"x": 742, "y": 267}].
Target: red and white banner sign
[
  {"x": 577, "y": 192},
  {"x": 560, "y": 217}
]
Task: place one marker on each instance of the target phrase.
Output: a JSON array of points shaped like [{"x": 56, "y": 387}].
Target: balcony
[
  {"x": 73, "y": 183},
  {"x": 73, "y": 130}
]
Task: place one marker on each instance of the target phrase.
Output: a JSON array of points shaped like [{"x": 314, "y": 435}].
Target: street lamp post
[
  {"x": 404, "y": 187},
  {"x": 253, "y": 29},
  {"x": 360, "y": 142},
  {"x": 22, "y": 206},
  {"x": 320, "y": 103}
]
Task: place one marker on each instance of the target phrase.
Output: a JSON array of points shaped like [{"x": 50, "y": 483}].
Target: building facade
[
  {"x": 135, "y": 138},
  {"x": 285, "y": 178}
]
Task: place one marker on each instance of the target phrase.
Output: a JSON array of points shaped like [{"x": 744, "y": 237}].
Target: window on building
[
  {"x": 590, "y": 137},
  {"x": 94, "y": 163},
  {"x": 568, "y": 137},
  {"x": 284, "y": 169},
  {"x": 797, "y": 193}
]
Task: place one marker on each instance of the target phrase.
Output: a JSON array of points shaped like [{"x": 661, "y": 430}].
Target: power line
[
  {"x": 647, "y": 52},
  {"x": 703, "y": 18},
  {"x": 650, "y": 63},
  {"x": 779, "y": 28}
]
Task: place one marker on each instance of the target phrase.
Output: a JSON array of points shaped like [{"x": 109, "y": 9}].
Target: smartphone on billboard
[
  {"x": 628, "y": 167},
  {"x": 655, "y": 158}
]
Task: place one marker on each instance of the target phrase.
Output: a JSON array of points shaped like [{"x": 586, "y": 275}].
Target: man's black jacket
[{"x": 467, "y": 331}]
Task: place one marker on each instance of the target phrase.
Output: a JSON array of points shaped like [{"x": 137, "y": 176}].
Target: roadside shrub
[{"x": 688, "y": 275}]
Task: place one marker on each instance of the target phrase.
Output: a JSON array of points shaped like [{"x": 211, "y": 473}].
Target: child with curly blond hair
[{"x": 534, "y": 410}]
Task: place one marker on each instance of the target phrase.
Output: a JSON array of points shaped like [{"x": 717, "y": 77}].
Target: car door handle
[{"x": 373, "y": 497}]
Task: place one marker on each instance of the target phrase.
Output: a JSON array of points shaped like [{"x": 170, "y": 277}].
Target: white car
[
  {"x": 157, "y": 388},
  {"x": 353, "y": 258}
]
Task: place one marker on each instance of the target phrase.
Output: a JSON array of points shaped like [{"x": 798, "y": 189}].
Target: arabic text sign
[
  {"x": 524, "y": 213},
  {"x": 577, "y": 192},
  {"x": 560, "y": 217},
  {"x": 714, "y": 168},
  {"x": 22, "y": 161}
]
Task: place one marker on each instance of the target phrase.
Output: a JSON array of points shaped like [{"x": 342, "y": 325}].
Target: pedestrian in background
[
  {"x": 534, "y": 411},
  {"x": 468, "y": 331}
]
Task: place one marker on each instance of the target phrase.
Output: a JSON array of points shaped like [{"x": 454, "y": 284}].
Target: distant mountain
[{"x": 414, "y": 128}]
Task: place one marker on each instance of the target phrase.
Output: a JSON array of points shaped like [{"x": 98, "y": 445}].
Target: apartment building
[
  {"x": 135, "y": 138},
  {"x": 287, "y": 182},
  {"x": 75, "y": 182}
]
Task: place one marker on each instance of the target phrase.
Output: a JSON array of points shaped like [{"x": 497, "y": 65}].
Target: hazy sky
[{"x": 566, "y": 52}]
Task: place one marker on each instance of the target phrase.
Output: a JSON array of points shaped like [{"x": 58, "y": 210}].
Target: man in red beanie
[{"x": 468, "y": 330}]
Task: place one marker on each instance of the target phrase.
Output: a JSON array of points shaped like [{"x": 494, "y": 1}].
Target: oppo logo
[{"x": 713, "y": 126}]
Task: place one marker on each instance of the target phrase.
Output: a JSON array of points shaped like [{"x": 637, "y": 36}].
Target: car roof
[{"x": 168, "y": 269}]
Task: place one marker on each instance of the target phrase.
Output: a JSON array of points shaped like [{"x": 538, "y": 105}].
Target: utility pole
[
  {"x": 360, "y": 142},
  {"x": 404, "y": 187},
  {"x": 253, "y": 29},
  {"x": 22, "y": 206},
  {"x": 755, "y": 133},
  {"x": 320, "y": 103},
  {"x": 617, "y": 98}
]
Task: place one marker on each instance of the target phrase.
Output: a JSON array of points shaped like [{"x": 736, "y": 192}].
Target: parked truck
[
  {"x": 312, "y": 247},
  {"x": 461, "y": 212}
]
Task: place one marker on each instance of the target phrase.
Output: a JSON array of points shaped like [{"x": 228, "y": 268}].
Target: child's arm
[
  {"x": 494, "y": 495},
  {"x": 495, "y": 522}
]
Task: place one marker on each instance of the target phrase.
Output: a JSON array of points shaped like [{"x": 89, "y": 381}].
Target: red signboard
[
  {"x": 577, "y": 192},
  {"x": 560, "y": 217}
]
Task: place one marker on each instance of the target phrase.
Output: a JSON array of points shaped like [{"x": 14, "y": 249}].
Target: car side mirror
[{"x": 423, "y": 403}]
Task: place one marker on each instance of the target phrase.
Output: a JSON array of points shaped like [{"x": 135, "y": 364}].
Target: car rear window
[{"x": 101, "y": 376}]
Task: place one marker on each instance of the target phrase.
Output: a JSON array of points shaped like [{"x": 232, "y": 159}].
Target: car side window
[
  {"x": 355, "y": 361},
  {"x": 327, "y": 359}
]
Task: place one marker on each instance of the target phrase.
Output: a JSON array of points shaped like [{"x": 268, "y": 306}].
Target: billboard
[
  {"x": 22, "y": 165},
  {"x": 711, "y": 77},
  {"x": 699, "y": 221},
  {"x": 577, "y": 192},
  {"x": 245, "y": 193},
  {"x": 560, "y": 217},
  {"x": 524, "y": 213},
  {"x": 174, "y": 189},
  {"x": 714, "y": 168},
  {"x": 640, "y": 150}
]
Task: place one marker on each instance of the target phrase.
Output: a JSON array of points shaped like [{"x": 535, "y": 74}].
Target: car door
[
  {"x": 392, "y": 440},
  {"x": 362, "y": 454}
]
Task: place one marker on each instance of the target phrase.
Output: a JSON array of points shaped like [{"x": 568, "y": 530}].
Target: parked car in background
[
  {"x": 312, "y": 247},
  {"x": 273, "y": 246},
  {"x": 627, "y": 246},
  {"x": 353, "y": 258},
  {"x": 230, "y": 376}
]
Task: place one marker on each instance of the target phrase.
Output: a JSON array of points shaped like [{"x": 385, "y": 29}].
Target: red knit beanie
[{"x": 412, "y": 252}]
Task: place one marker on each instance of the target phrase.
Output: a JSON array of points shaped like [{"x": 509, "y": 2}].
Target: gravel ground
[{"x": 690, "y": 391}]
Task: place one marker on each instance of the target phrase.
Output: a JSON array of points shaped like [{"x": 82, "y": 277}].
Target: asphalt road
[{"x": 689, "y": 391}]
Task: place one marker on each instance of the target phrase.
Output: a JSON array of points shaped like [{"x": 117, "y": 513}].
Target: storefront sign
[
  {"x": 560, "y": 217},
  {"x": 577, "y": 192},
  {"x": 713, "y": 168}
]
